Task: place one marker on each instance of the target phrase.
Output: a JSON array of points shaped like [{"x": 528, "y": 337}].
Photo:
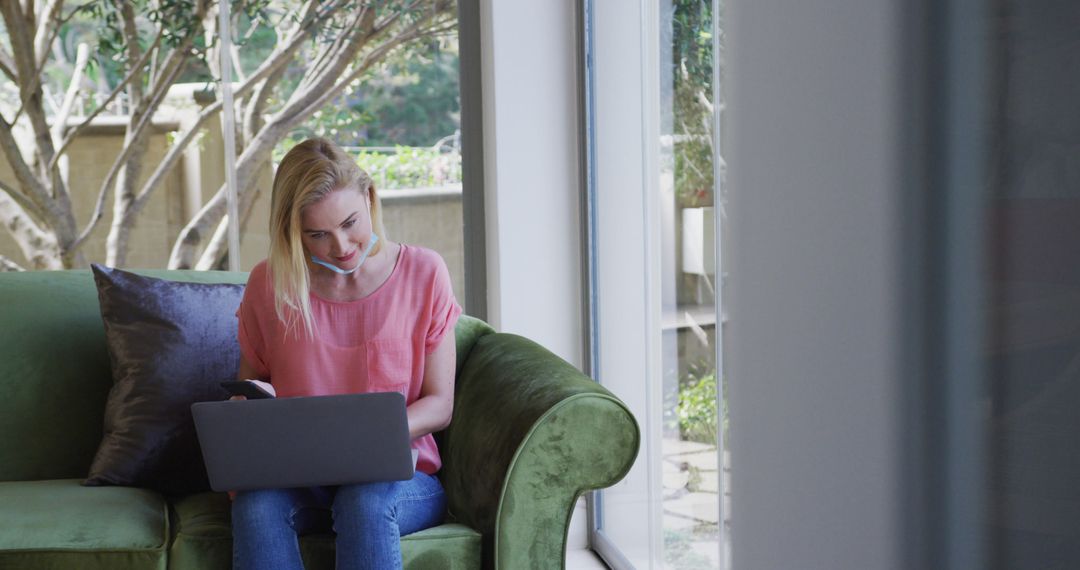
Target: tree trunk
[
  {"x": 125, "y": 210},
  {"x": 38, "y": 246},
  {"x": 218, "y": 247},
  {"x": 124, "y": 215},
  {"x": 9, "y": 265},
  {"x": 185, "y": 251}
]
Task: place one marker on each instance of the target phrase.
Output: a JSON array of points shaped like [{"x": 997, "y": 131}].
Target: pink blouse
[{"x": 375, "y": 344}]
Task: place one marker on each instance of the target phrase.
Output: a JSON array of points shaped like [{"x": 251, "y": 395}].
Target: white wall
[{"x": 531, "y": 171}]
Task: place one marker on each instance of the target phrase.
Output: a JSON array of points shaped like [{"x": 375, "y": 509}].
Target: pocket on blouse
[{"x": 390, "y": 365}]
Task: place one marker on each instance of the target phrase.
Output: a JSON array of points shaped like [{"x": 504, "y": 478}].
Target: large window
[
  {"x": 113, "y": 149},
  {"x": 696, "y": 463},
  {"x": 658, "y": 342}
]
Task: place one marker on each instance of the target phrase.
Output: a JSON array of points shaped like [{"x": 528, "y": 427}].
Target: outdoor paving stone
[
  {"x": 678, "y": 447},
  {"x": 710, "y": 550},
  {"x": 702, "y": 460},
  {"x": 709, "y": 481},
  {"x": 670, "y": 465},
  {"x": 678, "y": 523},
  {"x": 673, "y": 476},
  {"x": 703, "y": 507}
]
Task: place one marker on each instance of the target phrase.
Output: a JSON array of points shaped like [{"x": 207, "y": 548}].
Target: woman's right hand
[{"x": 264, "y": 385}]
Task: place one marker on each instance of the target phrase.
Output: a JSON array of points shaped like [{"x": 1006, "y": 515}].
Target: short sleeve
[
  {"x": 249, "y": 333},
  {"x": 444, "y": 307}
]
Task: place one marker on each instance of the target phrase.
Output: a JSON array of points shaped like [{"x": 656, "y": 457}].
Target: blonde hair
[{"x": 309, "y": 172}]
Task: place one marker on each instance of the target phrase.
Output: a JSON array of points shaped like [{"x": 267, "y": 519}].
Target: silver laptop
[{"x": 303, "y": 442}]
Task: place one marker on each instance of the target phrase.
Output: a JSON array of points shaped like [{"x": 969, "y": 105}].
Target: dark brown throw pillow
[{"x": 170, "y": 344}]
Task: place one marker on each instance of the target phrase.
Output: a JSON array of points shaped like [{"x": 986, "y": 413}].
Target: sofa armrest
[{"x": 530, "y": 434}]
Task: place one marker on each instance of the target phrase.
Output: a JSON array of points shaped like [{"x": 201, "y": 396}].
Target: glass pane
[
  {"x": 693, "y": 474},
  {"x": 407, "y": 97},
  {"x": 657, "y": 280},
  {"x": 1034, "y": 281}
]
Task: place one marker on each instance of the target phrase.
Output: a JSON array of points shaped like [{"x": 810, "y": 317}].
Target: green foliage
[
  {"x": 692, "y": 41},
  {"x": 100, "y": 24},
  {"x": 696, "y": 409},
  {"x": 410, "y": 167},
  {"x": 692, "y": 60},
  {"x": 679, "y": 553},
  {"x": 411, "y": 100},
  {"x": 408, "y": 104},
  {"x": 177, "y": 20},
  {"x": 414, "y": 101}
]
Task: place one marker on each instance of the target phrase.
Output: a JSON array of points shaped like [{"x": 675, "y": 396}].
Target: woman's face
[{"x": 337, "y": 228}]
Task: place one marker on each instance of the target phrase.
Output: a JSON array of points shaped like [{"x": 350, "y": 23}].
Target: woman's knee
[
  {"x": 262, "y": 505},
  {"x": 366, "y": 500}
]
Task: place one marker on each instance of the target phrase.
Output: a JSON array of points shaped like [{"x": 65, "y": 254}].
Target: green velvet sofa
[{"x": 530, "y": 434}]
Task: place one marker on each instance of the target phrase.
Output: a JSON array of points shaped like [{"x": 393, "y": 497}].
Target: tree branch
[
  {"x": 327, "y": 54},
  {"x": 7, "y": 65},
  {"x": 191, "y": 236},
  {"x": 167, "y": 75},
  {"x": 6, "y": 264},
  {"x": 30, "y": 94},
  {"x": 253, "y": 114},
  {"x": 358, "y": 33},
  {"x": 131, "y": 39},
  {"x": 51, "y": 25},
  {"x": 218, "y": 246},
  {"x": 116, "y": 91},
  {"x": 143, "y": 113},
  {"x": 293, "y": 38},
  {"x": 23, "y": 201},
  {"x": 327, "y": 95},
  {"x": 277, "y": 61},
  {"x": 33, "y": 242},
  {"x": 129, "y": 146},
  {"x": 234, "y": 55},
  {"x": 159, "y": 95},
  {"x": 81, "y": 58},
  {"x": 317, "y": 72},
  {"x": 47, "y": 29},
  {"x": 37, "y": 192},
  {"x": 247, "y": 164},
  {"x": 213, "y": 251}
]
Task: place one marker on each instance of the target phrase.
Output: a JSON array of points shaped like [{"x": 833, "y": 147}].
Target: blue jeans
[{"x": 369, "y": 520}]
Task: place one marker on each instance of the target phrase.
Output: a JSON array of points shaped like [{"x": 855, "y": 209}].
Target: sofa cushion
[
  {"x": 170, "y": 344},
  {"x": 203, "y": 539},
  {"x": 466, "y": 333},
  {"x": 202, "y": 533},
  {"x": 449, "y": 546},
  {"x": 60, "y": 524},
  {"x": 54, "y": 374}
]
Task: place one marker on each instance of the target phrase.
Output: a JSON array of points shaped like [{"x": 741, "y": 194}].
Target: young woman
[{"x": 337, "y": 309}]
